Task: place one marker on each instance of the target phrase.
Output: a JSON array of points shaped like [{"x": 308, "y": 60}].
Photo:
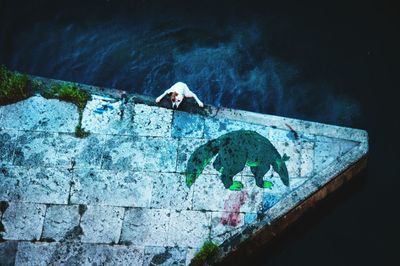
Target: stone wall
[{"x": 119, "y": 195}]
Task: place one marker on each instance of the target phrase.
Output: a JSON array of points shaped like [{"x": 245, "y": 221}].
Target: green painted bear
[{"x": 235, "y": 150}]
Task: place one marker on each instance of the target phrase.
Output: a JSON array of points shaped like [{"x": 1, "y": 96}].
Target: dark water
[
  {"x": 332, "y": 62},
  {"x": 237, "y": 55}
]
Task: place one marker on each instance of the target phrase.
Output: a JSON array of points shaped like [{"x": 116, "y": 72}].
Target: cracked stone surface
[
  {"x": 145, "y": 227},
  {"x": 59, "y": 220},
  {"x": 8, "y": 251},
  {"x": 102, "y": 224},
  {"x": 104, "y": 115},
  {"x": 36, "y": 185},
  {"x": 170, "y": 192},
  {"x": 115, "y": 188},
  {"x": 35, "y": 149},
  {"x": 152, "y": 121},
  {"x": 188, "y": 228},
  {"x": 164, "y": 256},
  {"x": 77, "y": 254},
  {"x": 186, "y": 125},
  {"x": 221, "y": 231},
  {"x": 23, "y": 221},
  {"x": 119, "y": 196},
  {"x": 140, "y": 154},
  {"x": 39, "y": 114},
  {"x": 215, "y": 127},
  {"x": 8, "y": 140}
]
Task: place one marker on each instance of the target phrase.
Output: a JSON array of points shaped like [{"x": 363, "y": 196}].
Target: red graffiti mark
[
  {"x": 232, "y": 205},
  {"x": 294, "y": 132}
]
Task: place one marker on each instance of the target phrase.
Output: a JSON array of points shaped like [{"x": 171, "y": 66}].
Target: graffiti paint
[
  {"x": 103, "y": 108},
  {"x": 233, "y": 152},
  {"x": 270, "y": 200},
  {"x": 232, "y": 206},
  {"x": 293, "y": 133}
]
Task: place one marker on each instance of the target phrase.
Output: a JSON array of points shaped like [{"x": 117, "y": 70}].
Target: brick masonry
[{"x": 119, "y": 196}]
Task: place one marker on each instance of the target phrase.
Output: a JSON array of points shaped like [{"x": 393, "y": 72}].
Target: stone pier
[{"x": 119, "y": 197}]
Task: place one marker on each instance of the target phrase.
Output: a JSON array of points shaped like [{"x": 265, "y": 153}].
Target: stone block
[
  {"x": 250, "y": 218},
  {"x": 35, "y": 149},
  {"x": 73, "y": 152},
  {"x": 215, "y": 127},
  {"x": 119, "y": 153},
  {"x": 277, "y": 188},
  {"x": 75, "y": 253},
  {"x": 187, "y": 125},
  {"x": 58, "y": 150},
  {"x": 188, "y": 228},
  {"x": 224, "y": 225},
  {"x": 269, "y": 200},
  {"x": 170, "y": 192},
  {"x": 8, "y": 252},
  {"x": 108, "y": 116},
  {"x": 59, "y": 220},
  {"x": 145, "y": 227},
  {"x": 38, "y": 185},
  {"x": 113, "y": 255},
  {"x": 8, "y": 140},
  {"x": 300, "y": 150},
  {"x": 39, "y": 114},
  {"x": 164, "y": 256},
  {"x": 102, "y": 224},
  {"x": 140, "y": 154},
  {"x": 253, "y": 195},
  {"x": 282, "y": 135},
  {"x": 305, "y": 189},
  {"x": 210, "y": 194},
  {"x": 293, "y": 150},
  {"x": 38, "y": 254},
  {"x": 307, "y": 159},
  {"x": 114, "y": 188},
  {"x": 23, "y": 221},
  {"x": 156, "y": 155},
  {"x": 328, "y": 150},
  {"x": 152, "y": 121},
  {"x": 185, "y": 148},
  {"x": 281, "y": 206}
]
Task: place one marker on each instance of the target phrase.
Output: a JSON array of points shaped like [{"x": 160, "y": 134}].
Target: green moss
[
  {"x": 14, "y": 87},
  {"x": 207, "y": 251},
  {"x": 80, "y": 132},
  {"x": 70, "y": 93}
]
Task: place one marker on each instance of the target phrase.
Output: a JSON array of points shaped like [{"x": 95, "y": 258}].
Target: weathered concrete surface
[{"x": 118, "y": 197}]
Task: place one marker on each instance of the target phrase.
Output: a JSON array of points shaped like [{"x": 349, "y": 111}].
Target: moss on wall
[
  {"x": 70, "y": 93},
  {"x": 16, "y": 87},
  {"x": 207, "y": 251}
]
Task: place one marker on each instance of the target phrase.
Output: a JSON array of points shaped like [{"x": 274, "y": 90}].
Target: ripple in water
[{"x": 226, "y": 65}]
